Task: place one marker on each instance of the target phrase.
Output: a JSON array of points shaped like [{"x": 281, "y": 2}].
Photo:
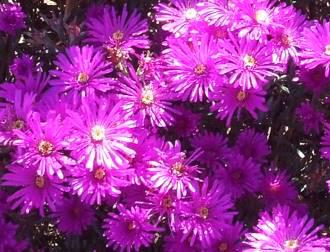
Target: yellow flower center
[
  {"x": 291, "y": 244},
  {"x": 147, "y": 96},
  {"x": 82, "y": 78},
  {"x": 249, "y": 61},
  {"x": 204, "y": 212},
  {"x": 39, "y": 181},
  {"x": 178, "y": 169},
  {"x": 200, "y": 69},
  {"x": 261, "y": 16},
  {"x": 99, "y": 174},
  {"x": 118, "y": 36},
  {"x": 191, "y": 13},
  {"x": 286, "y": 40},
  {"x": 45, "y": 148},
  {"x": 98, "y": 133},
  {"x": 18, "y": 124},
  {"x": 223, "y": 247},
  {"x": 114, "y": 55},
  {"x": 241, "y": 95},
  {"x": 327, "y": 50}
]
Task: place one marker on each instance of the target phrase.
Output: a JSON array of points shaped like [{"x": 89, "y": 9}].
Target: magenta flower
[
  {"x": 23, "y": 66},
  {"x": 172, "y": 170},
  {"x": 239, "y": 176},
  {"x": 73, "y": 216},
  {"x": 257, "y": 149},
  {"x": 100, "y": 135},
  {"x": 118, "y": 34},
  {"x": 8, "y": 240},
  {"x": 311, "y": 118},
  {"x": 314, "y": 79},
  {"x": 191, "y": 68},
  {"x": 94, "y": 186},
  {"x": 82, "y": 71},
  {"x": 11, "y": 18},
  {"x": 130, "y": 229},
  {"x": 217, "y": 13},
  {"x": 285, "y": 230},
  {"x": 148, "y": 101},
  {"x": 247, "y": 62},
  {"x": 214, "y": 147},
  {"x": 325, "y": 142},
  {"x": 228, "y": 100},
  {"x": 316, "y": 46},
  {"x": 186, "y": 122},
  {"x": 173, "y": 243},
  {"x": 43, "y": 145},
  {"x": 34, "y": 191},
  {"x": 206, "y": 213},
  {"x": 178, "y": 16}
]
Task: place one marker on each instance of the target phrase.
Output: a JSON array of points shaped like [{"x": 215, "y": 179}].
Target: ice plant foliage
[{"x": 164, "y": 125}]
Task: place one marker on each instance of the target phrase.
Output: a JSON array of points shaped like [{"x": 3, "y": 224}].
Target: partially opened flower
[
  {"x": 33, "y": 191},
  {"x": 178, "y": 16},
  {"x": 311, "y": 118},
  {"x": 73, "y": 216},
  {"x": 316, "y": 46},
  {"x": 11, "y": 18},
  {"x": 100, "y": 135},
  {"x": 173, "y": 170},
  {"x": 43, "y": 145},
  {"x": 130, "y": 230},
  {"x": 248, "y": 63},
  {"x": 81, "y": 72},
  {"x": 239, "y": 176},
  {"x": 284, "y": 230},
  {"x": 191, "y": 68},
  {"x": 22, "y": 66},
  {"x": 149, "y": 101},
  {"x": 206, "y": 213},
  {"x": 228, "y": 100},
  {"x": 252, "y": 144}
]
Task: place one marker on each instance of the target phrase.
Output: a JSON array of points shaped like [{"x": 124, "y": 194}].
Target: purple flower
[
  {"x": 285, "y": 230},
  {"x": 191, "y": 68},
  {"x": 316, "y": 46},
  {"x": 247, "y": 62},
  {"x": 178, "y": 16},
  {"x": 34, "y": 191},
  {"x": 173, "y": 243},
  {"x": 325, "y": 142},
  {"x": 118, "y": 34},
  {"x": 148, "y": 101},
  {"x": 214, "y": 147},
  {"x": 11, "y": 18},
  {"x": 8, "y": 241},
  {"x": 73, "y": 216},
  {"x": 217, "y": 13},
  {"x": 206, "y": 213},
  {"x": 277, "y": 188},
  {"x": 252, "y": 144},
  {"x": 130, "y": 229},
  {"x": 82, "y": 71},
  {"x": 186, "y": 122},
  {"x": 93, "y": 186},
  {"x": 172, "y": 170},
  {"x": 22, "y": 66},
  {"x": 43, "y": 145},
  {"x": 314, "y": 79},
  {"x": 100, "y": 135},
  {"x": 310, "y": 118},
  {"x": 239, "y": 176},
  {"x": 228, "y": 100}
]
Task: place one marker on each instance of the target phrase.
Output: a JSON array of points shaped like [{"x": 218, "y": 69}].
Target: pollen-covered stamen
[
  {"x": 262, "y": 16},
  {"x": 98, "y": 133},
  {"x": 223, "y": 247},
  {"x": 147, "y": 96},
  {"x": 45, "y": 148},
  {"x": 39, "y": 181},
  {"x": 131, "y": 225},
  {"x": 241, "y": 95},
  {"x": 291, "y": 244},
  {"x": 204, "y": 212},
  {"x": 249, "y": 61},
  {"x": 178, "y": 169},
  {"x": 18, "y": 124},
  {"x": 118, "y": 36},
  {"x": 167, "y": 202},
  {"x": 114, "y": 55},
  {"x": 327, "y": 50},
  {"x": 99, "y": 174},
  {"x": 200, "y": 69},
  {"x": 82, "y": 78},
  {"x": 190, "y": 14},
  {"x": 286, "y": 40}
]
